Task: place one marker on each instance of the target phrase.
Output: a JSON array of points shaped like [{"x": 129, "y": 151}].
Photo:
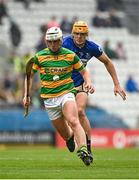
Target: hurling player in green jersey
[{"x": 55, "y": 65}]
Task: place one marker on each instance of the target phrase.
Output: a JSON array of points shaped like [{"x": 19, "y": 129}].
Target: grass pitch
[{"x": 33, "y": 162}]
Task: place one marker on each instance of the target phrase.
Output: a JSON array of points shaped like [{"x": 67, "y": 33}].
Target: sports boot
[
  {"x": 90, "y": 156},
  {"x": 83, "y": 155}
]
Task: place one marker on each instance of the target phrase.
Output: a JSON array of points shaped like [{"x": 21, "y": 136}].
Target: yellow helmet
[{"x": 80, "y": 27}]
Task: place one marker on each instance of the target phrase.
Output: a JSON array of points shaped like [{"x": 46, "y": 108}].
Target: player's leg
[
  {"x": 70, "y": 113},
  {"x": 56, "y": 116},
  {"x": 66, "y": 107},
  {"x": 65, "y": 131},
  {"x": 81, "y": 100},
  {"x": 54, "y": 109},
  {"x": 71, "y": 116}
]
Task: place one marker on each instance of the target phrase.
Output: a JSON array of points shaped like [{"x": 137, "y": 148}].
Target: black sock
[{"x": 88, "y": 144}]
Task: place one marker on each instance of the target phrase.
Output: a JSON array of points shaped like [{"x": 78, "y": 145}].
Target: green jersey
[{"x": 56, "y": 71}]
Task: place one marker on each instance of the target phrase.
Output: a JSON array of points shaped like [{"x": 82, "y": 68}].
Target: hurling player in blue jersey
[{"x": 86, "y": 49}]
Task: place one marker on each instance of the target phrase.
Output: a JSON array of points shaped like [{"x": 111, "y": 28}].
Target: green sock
[{"x": 83, "y": 148}]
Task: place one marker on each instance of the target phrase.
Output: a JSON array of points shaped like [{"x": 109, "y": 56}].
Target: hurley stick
[{"x": 28, "y": 73}]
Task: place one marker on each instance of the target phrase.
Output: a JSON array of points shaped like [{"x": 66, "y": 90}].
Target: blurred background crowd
[{"x": 114, "y": 24}]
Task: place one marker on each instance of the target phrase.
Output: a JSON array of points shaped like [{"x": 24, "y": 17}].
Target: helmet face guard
[
  {"x": 53, "y": 34},
  {"x": 80, "y": 27}
]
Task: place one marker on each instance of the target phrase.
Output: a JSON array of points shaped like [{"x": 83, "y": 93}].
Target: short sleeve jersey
[
  {"x": 89, "y": 50},
  {"x": 60, "y": 65}
]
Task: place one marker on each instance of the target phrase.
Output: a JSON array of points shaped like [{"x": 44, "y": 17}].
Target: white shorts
[{"x": 54, "y": 105}]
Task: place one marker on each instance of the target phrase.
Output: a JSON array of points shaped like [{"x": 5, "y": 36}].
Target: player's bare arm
[
  {"x": 111, "y": 69},
  {"x": 88, "y": 84}
]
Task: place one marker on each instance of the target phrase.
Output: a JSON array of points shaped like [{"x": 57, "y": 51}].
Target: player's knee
[
  {"x": 81, "y": 112},
  {"x": 73, "y": 122}
]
